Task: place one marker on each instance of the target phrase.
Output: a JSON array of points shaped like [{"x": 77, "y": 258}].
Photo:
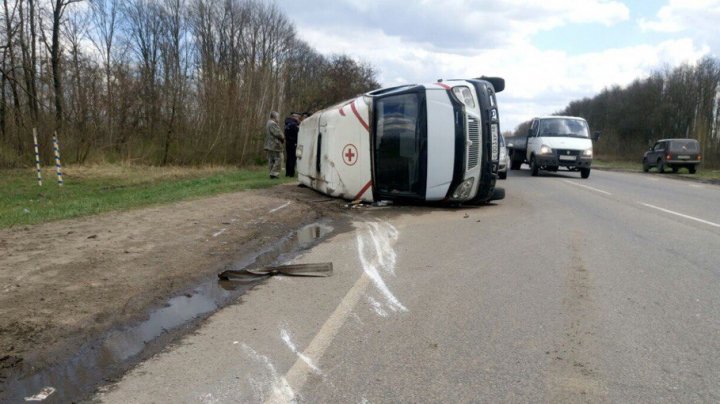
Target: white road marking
[
  {"x": 285, "y": 335},
  {"x": 42, "y": 394},
  {"x": 377, "y": 307},
  {"x": 281, "y": 392},
  {"x": 588, "y": 187},
  {"x": 219, "y": 232},
  {"x": 680, "y": 214},
  {"x": 280, "y": 207},
  {"x": 381, "y": 255},
  {"x": 298, "y": 373}
]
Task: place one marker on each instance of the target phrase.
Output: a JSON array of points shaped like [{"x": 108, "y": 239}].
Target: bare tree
[{"x": 58, "y": 11}]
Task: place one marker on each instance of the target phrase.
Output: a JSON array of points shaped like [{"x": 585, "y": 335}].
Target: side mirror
[{"x": 596, "y": 135}]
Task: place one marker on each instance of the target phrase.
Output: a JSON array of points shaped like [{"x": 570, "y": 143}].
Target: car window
[{"x": 689, "y": 145}]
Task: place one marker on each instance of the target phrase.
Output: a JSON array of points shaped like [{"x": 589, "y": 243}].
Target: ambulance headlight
[
  {"x": 545, "y": 150},
  {"x": 298, "y": 151},
  {"x": 587, "y": 153},
  {"x": 465, "y": 95},
  {"x": 463, "y": 190}
]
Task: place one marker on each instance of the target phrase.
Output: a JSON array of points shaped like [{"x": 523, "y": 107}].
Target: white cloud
[
  {"x": 431, "y": 39},
  {"x": 700, "y": 16},
  {"x": 456, "y": 25}
]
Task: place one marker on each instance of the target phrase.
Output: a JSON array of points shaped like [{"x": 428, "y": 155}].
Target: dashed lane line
[
  {"x": 680, "y": 214},
  {"x": 588, "y": 187}
]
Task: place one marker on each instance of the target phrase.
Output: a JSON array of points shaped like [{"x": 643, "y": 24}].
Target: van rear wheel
[{"x": 692, "y": 169}]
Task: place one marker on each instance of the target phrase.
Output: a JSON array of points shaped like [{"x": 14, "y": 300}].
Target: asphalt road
[{"x": 569, "y": 290}]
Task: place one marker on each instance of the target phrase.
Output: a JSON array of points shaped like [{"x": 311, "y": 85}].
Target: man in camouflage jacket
[{"x": 274, "y": 144}]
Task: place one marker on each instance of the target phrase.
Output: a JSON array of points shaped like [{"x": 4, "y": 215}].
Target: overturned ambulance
[{"x": 433, "y": 142}]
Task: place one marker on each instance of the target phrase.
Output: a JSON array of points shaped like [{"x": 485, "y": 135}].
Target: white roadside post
[
  {"x": 37, "y": 157},
  {"x": 58, "y": 167}
]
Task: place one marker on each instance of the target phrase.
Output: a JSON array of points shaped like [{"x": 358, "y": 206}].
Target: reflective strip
[
  {"x": 37, "y": 157},
  {"x": 56, "y": 147}
]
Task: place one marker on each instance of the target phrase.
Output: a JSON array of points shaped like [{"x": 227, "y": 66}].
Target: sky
[{"x": 549, "y": 52}]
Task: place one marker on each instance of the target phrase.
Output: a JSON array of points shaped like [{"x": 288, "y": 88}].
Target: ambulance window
[{"x": 398, "y": 145}]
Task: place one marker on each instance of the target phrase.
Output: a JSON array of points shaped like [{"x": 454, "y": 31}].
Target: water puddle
[{"x": 111, "y": 355}]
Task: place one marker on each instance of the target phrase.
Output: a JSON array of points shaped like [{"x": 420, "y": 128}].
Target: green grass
[
  {"x": 703, "y": 173},
  {"x": 97, "y": 189}
]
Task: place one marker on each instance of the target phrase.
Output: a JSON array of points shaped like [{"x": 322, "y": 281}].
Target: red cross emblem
[{"x": 350, "y": 154}]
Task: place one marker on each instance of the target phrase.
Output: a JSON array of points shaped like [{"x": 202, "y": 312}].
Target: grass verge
[
  {"x": 702, "y": 174},
  {"x": 97, "y": 189}
]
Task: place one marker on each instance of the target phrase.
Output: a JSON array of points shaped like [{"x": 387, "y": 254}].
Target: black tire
[
  {"x": 502, "y": 175},
  {"x": 534, "y": 169},
  {"x": 674, "y": 169},
  {"x": 660, "y": 166},
  {"x": 584, "y": 172},
  {"x": 646, "y": 167},
  {"x": 692, "y": 169},
  {"x": 515, "y": 163}
]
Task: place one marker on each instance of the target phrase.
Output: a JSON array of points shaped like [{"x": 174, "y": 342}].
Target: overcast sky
[{"x": 550, "y": 52}]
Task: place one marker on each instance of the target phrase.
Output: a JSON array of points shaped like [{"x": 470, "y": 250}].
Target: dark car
[{"x": 674, "y": 154}]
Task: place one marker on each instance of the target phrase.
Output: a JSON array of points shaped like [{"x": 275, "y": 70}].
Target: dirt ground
[{"x": 64, "y": 282}]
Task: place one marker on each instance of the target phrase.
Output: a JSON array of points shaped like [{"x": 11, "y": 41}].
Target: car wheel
[
  {"x": 515, "y": 163},
  {"x": 674, "y": 169},
  {"x": 661, "y": 166},
  {"x": 534, "y": 169},
  {"x": 502, "y": 175},
  {"x": 692, "y": 169},
  {"x": 646, "y": 167},
  {"x": 584, "y": 172}
]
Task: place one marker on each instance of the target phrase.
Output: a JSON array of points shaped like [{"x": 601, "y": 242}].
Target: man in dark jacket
[{"x": 292, "y": 127}]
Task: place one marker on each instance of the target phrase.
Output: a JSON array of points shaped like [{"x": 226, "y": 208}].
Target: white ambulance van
[{"x": 435, "y": 142}]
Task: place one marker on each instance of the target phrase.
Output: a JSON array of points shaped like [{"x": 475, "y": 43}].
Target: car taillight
[
  {"x": 668, "y": 157},
  {"x": 699, "y": 156}
]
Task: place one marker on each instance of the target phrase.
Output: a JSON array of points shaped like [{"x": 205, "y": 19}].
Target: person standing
[
  {"x": 274, "y": 144},
  {"x": 292, "y": 127}
]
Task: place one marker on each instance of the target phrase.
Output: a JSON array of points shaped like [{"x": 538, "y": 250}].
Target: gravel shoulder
[{"x": 66, "y": 282}]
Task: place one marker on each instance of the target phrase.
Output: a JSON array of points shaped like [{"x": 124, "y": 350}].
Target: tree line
[
  {"x": 680, "y": 102},
  {"x": 157, "y": 81}
]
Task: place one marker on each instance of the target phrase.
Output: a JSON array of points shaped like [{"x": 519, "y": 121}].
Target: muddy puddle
[{"x": 107, "y": 357}]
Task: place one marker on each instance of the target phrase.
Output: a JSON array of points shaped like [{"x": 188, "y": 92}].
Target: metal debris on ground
[{"x": 317, "y": 270}]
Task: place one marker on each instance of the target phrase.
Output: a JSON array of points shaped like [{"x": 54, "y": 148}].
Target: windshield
[
  {"x": 563, "y": 127},
  {"x": 690, "y": 145},
  {"x": 399, "y": 145}
]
